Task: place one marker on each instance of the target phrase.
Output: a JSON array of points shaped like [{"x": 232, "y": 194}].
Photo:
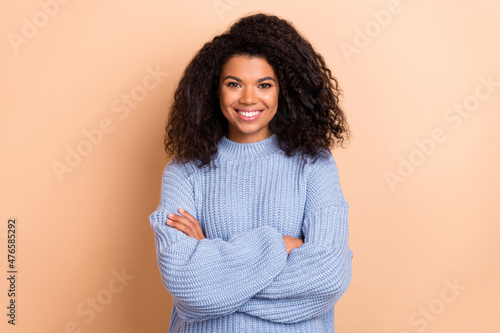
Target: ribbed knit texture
[{"x": 240, "y": 278}]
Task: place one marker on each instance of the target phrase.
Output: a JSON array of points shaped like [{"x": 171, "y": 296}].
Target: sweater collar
[{"x": 248, "y": 151}]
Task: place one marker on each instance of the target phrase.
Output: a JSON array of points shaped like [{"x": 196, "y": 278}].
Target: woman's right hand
[
  {"x": 292, "y": 243},
  {"x": 186, "y": 223}
]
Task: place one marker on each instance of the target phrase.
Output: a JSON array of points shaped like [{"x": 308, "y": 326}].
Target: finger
[
  {"x": 181, "y": 227},
  {"x": 189, "y": 231},
  {"x": 181, "y": 219},
  {"x": 196, "y": 224},
  {"x": 189, "y": 216},
  {"x": 187, "y": 224},
  {"x": 183, "y": 224}
]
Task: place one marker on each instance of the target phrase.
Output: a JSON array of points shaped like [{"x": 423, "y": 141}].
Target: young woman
[{"x": 251, "y": 230}]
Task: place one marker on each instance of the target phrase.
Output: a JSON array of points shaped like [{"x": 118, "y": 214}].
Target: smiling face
[{"x": 248, "y": 94}]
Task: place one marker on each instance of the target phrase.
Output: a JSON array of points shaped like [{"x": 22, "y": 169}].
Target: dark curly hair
[{"x": 308, "y": 120}]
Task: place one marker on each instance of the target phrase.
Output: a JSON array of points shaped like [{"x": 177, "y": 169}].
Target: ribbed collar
[{"x": 248, "y": 151}]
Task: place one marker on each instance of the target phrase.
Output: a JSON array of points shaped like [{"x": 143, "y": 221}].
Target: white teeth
[{"x": 249, "y": 114}]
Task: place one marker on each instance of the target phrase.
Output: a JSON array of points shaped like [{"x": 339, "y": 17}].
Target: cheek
[
  {"x": 227, "y": 98},
  {"x": 271, "y": 100}
]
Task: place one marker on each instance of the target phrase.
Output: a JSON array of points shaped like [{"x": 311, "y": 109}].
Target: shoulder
[
  {"x": 177, "y": 183},
  {"x": 176, "y": 170},
  {"x": 323, "y": 165},
  {"x": 311, "y": 169},
  {"x": 323, "y": 183}
]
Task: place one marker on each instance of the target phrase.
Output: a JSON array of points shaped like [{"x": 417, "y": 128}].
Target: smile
[{"x": 248, "y": 114}]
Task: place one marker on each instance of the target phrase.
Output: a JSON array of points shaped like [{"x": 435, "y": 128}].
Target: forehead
[{"x": 247, "y": 66}]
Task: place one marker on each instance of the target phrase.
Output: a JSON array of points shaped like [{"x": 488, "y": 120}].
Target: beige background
[{"x": 421, "y": 178}]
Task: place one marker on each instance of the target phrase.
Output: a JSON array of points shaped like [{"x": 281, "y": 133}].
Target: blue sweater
[{"x": 240, "y": 278}]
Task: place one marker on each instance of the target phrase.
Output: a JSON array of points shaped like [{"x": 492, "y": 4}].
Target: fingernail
[{"x": 181, "y": 210}]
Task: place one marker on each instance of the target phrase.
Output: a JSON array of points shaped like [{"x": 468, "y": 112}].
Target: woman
[{"x": 251, "y": 230}]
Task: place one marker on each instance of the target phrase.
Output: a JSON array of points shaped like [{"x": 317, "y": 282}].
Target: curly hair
[{"x": 309, "y": 118}]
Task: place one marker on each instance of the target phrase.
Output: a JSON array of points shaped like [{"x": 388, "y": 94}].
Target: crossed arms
[{"x": 259, "y": 272}]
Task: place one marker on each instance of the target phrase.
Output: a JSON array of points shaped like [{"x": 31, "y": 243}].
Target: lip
[{"x": 249, "y": 110}]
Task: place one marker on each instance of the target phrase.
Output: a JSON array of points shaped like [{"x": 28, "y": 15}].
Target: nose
[{"x": 248, "y": 96}]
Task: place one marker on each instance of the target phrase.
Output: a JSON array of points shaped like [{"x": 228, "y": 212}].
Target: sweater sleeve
[
  {"x": 211, "y": 277},
  {"x": 317, "y": 273}
]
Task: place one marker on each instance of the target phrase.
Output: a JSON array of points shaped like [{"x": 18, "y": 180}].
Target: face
[{"x": 248, "y": 94}]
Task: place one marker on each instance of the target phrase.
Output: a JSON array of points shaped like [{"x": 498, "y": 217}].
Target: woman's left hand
[{"x": 186, "y": 223}]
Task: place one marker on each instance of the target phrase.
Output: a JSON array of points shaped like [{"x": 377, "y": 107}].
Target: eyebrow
[{"x": 265, "y": 78}]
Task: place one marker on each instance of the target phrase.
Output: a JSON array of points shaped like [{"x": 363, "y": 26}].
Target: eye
[
  {"x": 266, "y": 85},
  {"x": 233, "y": 84}
]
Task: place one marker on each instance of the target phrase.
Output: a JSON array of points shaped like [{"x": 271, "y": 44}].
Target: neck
[{"x": 248, "y": 151}]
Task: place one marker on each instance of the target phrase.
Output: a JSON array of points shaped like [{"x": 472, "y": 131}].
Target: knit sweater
[{"x": 240, "y": 278}]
